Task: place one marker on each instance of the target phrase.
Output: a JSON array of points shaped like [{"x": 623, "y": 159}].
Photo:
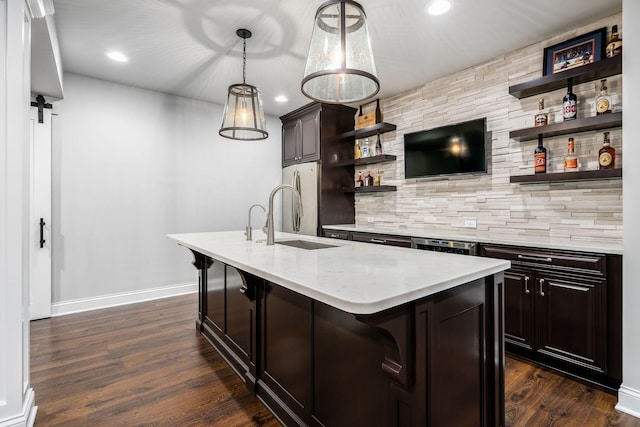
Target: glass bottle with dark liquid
[{"x": 540, "y": 157}]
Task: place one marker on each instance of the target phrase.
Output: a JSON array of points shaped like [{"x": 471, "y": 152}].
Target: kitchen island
[{"x": 346, "y": 333}]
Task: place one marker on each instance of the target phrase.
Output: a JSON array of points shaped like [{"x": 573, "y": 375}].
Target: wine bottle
[
  {"x": 378, "y": 112},
  {"x": 614, "y": 47},
  {"x": 378, "y": 146},
  {"x": 540, "y": 157},
  {"x": 570, "y": 103},
  {"x": 359, "y": 182}
]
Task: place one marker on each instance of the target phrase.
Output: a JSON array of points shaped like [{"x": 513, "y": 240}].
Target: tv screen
[{"x": 453, "y": 149}]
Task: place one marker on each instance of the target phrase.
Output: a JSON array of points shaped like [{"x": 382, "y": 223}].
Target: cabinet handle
[
  {"x": 526, "y": 285},
  {"x": 541, "y": 282},
  {"x": 533, "y": 258},
  {"x": 377, "y": 241}
]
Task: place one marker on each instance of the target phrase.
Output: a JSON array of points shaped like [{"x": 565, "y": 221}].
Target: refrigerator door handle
[{"x": 295, "y": 206}]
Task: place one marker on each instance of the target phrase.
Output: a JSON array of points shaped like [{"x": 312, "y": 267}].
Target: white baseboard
[
  {"x": 28, "y": 416},
  {"x": 113, "y": 300},
  {"x": 629, "y": 401}
]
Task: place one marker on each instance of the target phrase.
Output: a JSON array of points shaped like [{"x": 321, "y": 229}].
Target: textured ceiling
[{"x": 189, "y": 47}]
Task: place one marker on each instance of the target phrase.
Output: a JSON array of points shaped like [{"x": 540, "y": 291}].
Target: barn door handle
[{"x": 42, "y": 241}]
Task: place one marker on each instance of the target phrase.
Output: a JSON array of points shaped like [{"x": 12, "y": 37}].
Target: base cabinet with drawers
[{"x": 563, "y": 310}]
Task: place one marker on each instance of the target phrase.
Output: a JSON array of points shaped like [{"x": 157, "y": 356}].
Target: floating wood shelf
[
  {"x": 598, "y": 70},
  {"x": 567, "y": 176},
  {"x": 376, "y": 129},
  {"x": 371, "y": 189},
  {"x": 604, "y": 121},
  {"x": 366, "y": 160}
]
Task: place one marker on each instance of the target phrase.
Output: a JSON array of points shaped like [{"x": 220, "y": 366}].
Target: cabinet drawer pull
[
  {"x": 526, "y": 285},
  {"x": 377, "y": 241},
  {"x": 534, "y": 258},
  {"x": 541, "y": 282}
]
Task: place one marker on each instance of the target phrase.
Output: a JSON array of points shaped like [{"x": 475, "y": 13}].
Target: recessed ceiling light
[
  {"x": 117, "y": 56},
  {"x": 281, "y": 98},
  {"x": 438, "y": 7}
]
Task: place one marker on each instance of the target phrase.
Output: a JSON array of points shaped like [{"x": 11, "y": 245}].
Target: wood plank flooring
[{"x": 145, "y": 365}]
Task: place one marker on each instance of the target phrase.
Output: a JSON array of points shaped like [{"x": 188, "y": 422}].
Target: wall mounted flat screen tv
[{"x": 452, "y": 149}]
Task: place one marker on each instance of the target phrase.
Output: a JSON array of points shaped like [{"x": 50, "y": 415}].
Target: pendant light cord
[{"x": 244, "y": 60}]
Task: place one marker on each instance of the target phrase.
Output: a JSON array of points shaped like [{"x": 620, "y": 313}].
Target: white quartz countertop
[
  {"x": 606, "y": 247},
  {"x": 355, "y": 277}
]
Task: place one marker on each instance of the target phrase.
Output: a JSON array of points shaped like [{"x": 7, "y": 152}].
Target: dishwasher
[{"x": 450, "y": 246}]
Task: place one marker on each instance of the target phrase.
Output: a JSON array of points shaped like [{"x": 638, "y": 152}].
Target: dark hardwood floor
[{"x": 144, "y": 364}]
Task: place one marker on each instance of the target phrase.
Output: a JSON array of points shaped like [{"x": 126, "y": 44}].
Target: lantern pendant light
[
  {"x": 340, "y": 66},
  {"x": 243, "y": 117}
]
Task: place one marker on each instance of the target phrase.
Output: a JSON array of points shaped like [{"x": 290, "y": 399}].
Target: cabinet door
[
  {"x": 290, "y": 142},
  {"x": 286, "y": 331},
  {"x": 518, "y": 308},
  {"x": 570, "y": 316},
  {"x": 238, "y": 312},
  {"x": 215, "y": 296},
  {"x": 310, "y": 137}
]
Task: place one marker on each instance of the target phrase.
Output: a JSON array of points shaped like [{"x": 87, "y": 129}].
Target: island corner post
[{"x": 436, "y": 361}]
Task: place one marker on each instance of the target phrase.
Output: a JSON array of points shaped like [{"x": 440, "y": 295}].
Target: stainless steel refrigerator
[{"x": 304, "y": 177}]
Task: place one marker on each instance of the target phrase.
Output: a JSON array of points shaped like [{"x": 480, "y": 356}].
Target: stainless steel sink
[{"x": 305, "y": 244}]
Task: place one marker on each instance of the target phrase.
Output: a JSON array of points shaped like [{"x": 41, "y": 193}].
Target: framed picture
[{"x": 575, "y": 52}]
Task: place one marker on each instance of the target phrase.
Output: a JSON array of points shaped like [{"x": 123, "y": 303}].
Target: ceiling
[{"x": 189, "y": 47}]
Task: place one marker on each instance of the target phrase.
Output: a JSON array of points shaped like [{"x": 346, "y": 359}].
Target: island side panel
[{"x": 459, "y": 369}]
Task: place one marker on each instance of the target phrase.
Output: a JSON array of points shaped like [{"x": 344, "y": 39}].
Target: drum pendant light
[
  {"x": 340, "y": 66},
  {"x": 243, "y": 117}
]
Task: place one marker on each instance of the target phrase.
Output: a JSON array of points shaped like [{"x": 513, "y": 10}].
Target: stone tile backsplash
[{"x": 584, "y": 210}]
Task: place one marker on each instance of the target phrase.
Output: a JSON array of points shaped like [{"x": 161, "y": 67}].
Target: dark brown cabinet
[
  {"x": 562, "y": 309},
  {"x": 301, "y": 137}
]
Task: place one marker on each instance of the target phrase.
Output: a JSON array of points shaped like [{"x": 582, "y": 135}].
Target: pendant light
[
  {"x": 340, "y": 66},
  {"x": 243, "y": 117}
]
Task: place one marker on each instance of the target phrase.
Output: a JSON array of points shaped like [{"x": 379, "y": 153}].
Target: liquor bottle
[
  {"x": 607, "y": 154},
  {"x": 368, "y": 180},
  {"x": 570, "y": 103},
  {"x": 614, "y": 47},
  {"x": 570, "y": 160},
  {"x": 540, "y": 157},
  {"x": 378, "y": 146},
  {"x": 365, "y": 148},
  {"x": 541, "y": 118},
  {"x": 356, "y": 151},
  {"x": 359, "y": 182},
  {"x": 603, "y": 101},
  {"x": 377, "y": 179}
]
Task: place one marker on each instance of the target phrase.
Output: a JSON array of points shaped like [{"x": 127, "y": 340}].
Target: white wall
[
  {"x": 629, "y": 395},
  {"x": 132, "y": 165}
]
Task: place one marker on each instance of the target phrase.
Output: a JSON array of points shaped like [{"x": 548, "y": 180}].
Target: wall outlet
[
  {"x": 370, "y": 219},
  {"x": 470, "y": 223}
]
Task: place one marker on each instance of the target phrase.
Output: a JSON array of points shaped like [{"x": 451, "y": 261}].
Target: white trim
[
  {"x": 113, "y": 300},
  {"x": 629, "y": 401},
  {"x": 28, "y": 416}
]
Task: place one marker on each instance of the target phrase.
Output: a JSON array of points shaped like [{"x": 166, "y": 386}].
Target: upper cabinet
[{"x": 301, "y": 136}]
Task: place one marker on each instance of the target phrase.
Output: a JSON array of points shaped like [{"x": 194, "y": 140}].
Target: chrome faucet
[
  {"x": 270, "y": 234},
  {"x": 248, "y": 229}
]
